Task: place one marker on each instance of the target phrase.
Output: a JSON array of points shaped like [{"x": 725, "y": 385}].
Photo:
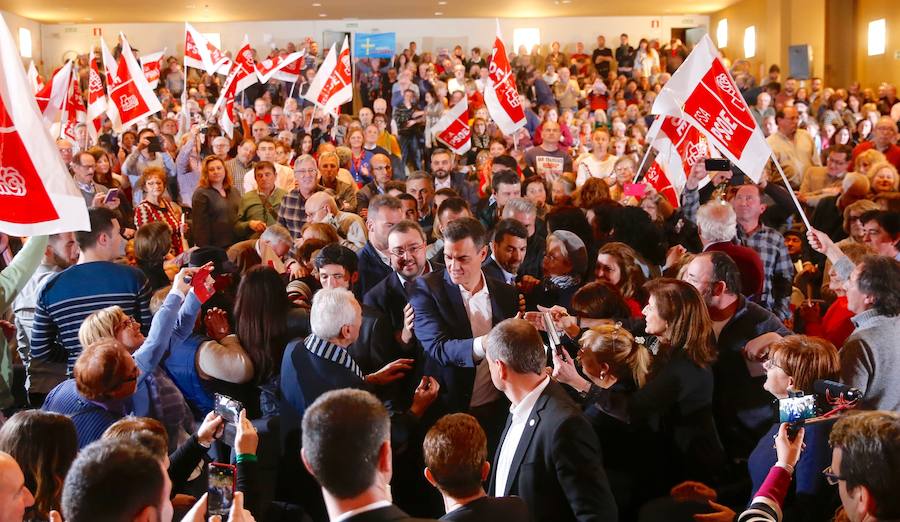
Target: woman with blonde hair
[
  {"x": 215, "y": 205},
  {"x": 883, "y": 178},
  {"x": 608, "y": 353},
  {"x": 866, "y": 159}
]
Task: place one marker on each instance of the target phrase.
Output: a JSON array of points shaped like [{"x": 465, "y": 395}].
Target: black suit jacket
[
  {"x": 557, "y": 467},
  {"x": 371, "y": 269},
  {"x": 502, "y": 509},
  {"x": 492, "y": 269},
  {"x": 442, "y": 326},
  {"x": 375, "y": 345},
  {"x": 386, "y": 514}
]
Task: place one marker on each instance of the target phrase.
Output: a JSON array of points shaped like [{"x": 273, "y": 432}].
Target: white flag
[{"x": 333, "y": 85}]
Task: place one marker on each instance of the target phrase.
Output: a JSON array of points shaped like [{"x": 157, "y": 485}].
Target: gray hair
[
  {"x": 332, "y": 308},
  {"x": 518, "y": 344},
  {"x": 305, "y": 157},
  {"x": 717, "y": 222},
  {"x": 276, "y": 234},
  {"x": 220, "y": 139},
  {"x": 520, "y": 205}
]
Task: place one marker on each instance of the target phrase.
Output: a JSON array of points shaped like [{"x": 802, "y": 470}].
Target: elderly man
[
  {"x": 259, "y": 207},
  {"x": 220, "y": 147},
  {"x": 762, "y": 109},
  {"x": 322, "y": 208},
  {"x": 65, "y": 149},
  {"x": 344, "y": 190},
  {"x": 374, "y": 259},
  {"x": 259, "y": 130},
  {"x": 284, "y": 176},
  {"x": 884, "y": 140},
  {"x": 882, "y": 232},
  {"x": 382, "y": 172},
  {"x": 292, "y": 213},
  {"x": 83, "y": 165},
  {"x": 271, "y": 248},
  {"x": 793, "y": 147},
  {"x": 548, "y": 159}
]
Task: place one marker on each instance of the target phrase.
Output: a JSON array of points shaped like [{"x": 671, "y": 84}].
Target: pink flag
[
  {"x": 332, "y": 86},
  {"x": 267, "y": 69},
  {"x": 245, "y": 66},
  {"x": 500, "y": 94},
  {"x": 96, "y": 98},
  {"x": 52, "y": 97},
  {"x": 702, "y": 92},
  {"x": 453, "y": 128},
  {"x": 200, "y": 53},
  {"x": 37, "y": 194},
  {"x": 226, "y": 102},
  {"x": 130, "y": 95},
  {"x": 152, "y": 65},
  {"x": 678, "y": 145}
]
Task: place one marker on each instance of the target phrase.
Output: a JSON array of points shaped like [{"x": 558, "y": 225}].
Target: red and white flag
[
  {"x": 270, "y": 67},
  {"x": 130, "y": 97},
  {"x": 702, "y": 92},
  {"x": 291, "y": 72},
  {"x": 245, "y": 65},
  {"x": 74, "y": 111},
  {"x": 37, "y": 194},
  {"x": 332, "y": 86},
  {"x": 678, "y": 145},
  {"x": 453, "y": 128},
  {"x": 34, "y": 79},
  {"x": 96, "y": 98},
  {"x": 152, "y": 65},
  {"x": 500, "y": 94},
  {"x": 52, "y": 97},
  {"x": 226, "y": 102},
  {"x": 200, "y": 53}
]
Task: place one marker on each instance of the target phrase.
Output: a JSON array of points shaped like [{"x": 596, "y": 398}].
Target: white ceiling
[{"x": 119, "y": 11}]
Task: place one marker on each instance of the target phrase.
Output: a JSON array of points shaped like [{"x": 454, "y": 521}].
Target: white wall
[
  {"x": 150, "y": 37},
  {"x": 14, "y": 22}
]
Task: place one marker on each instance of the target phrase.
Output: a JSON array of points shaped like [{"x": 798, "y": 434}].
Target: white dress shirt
[
  {"x": 520, "y": 416},
  {"x": 478, "y": 308}
]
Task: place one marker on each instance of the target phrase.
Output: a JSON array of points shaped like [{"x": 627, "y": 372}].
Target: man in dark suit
[
  {"x": 374, "y": 260},
  {"x": 508, "y": 249},
  {"x": 454, "y": 311},
  {"x": 347, "y": 448},
  {"x": 456, "y": 464},
  {"x": 549, "y": 454}
]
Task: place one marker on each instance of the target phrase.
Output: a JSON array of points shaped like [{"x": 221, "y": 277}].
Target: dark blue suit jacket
[
  {"x": 442, "y": 326},
  {"x": 371, "y": 269}
]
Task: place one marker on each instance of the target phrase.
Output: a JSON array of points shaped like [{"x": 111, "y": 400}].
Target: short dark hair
[
  {"x": 889, "y": 221},
  {"x": 455, "y": 451},
  {"x": 101, "y": 223},
  {"x": 839, "y": 149},
  {"x": 504, "y": 177},
  {"x": 406, "y": 226},
  {"x": 336, "y": 254},
  {"x": 343, "y": 432},
  {"x": 507, "y": 161},
  {"x": 263, "y": 165},
  {"x": 465, "y": 227},
  {"x": 383, "y": 201},
  {"x": 879, "y": 277},
  {"x": 518, "y": 344},
  {"x": 111, "y": 469},
  {"x": 870, "y": 457},
  {"x": 441, "y": 150},
  {"x": 408, "y": 197},
  {"x": 454, "y": 204},
  {"x": 509, "y": 227},
  {"x": 725, "y": 270},
  {"x": 446, "y": 191}
]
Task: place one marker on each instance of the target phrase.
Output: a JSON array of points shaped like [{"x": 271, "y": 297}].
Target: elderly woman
[
  {"x": 157, "y": 206},
  {"x": 215, "y": 205},
  {"x": 565, "y": 263},
  {"x": 883, "y": 178},
  {"x": 618, "y": 264},
  {"x": 624, "y": 170}
]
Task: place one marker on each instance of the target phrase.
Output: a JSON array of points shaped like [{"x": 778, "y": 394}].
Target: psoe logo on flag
[
  {"x": 128, "y": 102},
  {"x": 11, "y": 182}
]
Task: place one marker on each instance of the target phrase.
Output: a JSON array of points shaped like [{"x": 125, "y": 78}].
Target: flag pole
[
  {"x": 637, "y": 174},
  {"x": 790, "y": 190},
  {"x": 293, "y": 84},
  {"x": 311, "y": 119}
]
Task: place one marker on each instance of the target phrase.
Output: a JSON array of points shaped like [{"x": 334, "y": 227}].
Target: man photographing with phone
[{"x": 148, "y": 151}]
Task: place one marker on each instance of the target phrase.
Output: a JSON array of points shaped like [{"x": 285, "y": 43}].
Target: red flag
[
  {"x": 332, "y": 86},
  {"x": 37, "y": 194},
  {"x": 152, "y": 65},
  {"x": 200, "y": 53},
  {"x": 52, "y": 97},
  {"x": 656, "y": 176},
  {"x": 246, "y": 67},
  {"x": 267, "y": 69},
  {"x": 130, "y": 95},
  {"x": 500, "y": 94},
  {"x": 702, "y": 92},
  {"x": 226, "y": 101},
  {"x": 74, "y": 111},
  {"x": 453, "y": 128},
  {"x": 678, "y": 146},
  {"x": 96, "y": 98}
]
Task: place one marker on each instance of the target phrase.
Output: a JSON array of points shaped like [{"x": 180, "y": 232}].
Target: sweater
[
  {"x": 214, "y": 217},
  {"x": 870, "y": 358}
]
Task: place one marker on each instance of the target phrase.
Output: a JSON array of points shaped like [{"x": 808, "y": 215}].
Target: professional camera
[{"x": 830, "y": 399}]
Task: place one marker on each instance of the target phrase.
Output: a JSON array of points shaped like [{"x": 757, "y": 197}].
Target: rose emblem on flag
[{"x": 11, "y": 182}]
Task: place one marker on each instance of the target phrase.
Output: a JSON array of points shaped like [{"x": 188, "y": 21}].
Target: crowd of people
[{"x": 515, "y": 332}]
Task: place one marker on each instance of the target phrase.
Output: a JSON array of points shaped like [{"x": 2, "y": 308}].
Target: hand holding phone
[
  {"x": 230, "y": 410},
  {"x": 111, "y": 196},
  {"x": 220, "y": 489}
]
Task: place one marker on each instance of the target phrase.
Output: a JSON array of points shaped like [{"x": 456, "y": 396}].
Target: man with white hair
[
  {"x": 884, "y": 140},
  {"x": 322, "y": 208},
  {"x": 220, "y": 147},
  {"x": 717, "y": 224},
  {"x": 270, "y": 249}
]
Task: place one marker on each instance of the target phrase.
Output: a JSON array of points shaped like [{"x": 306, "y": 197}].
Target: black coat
[{"x": 507, "y": 509}]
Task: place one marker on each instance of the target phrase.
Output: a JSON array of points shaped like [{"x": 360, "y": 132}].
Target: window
[
  {"x": 24, "y": 42},
  {"x": 877, "y": 32},
  {"x": 750, "y": 42},
  {"x": 722, "y": 33},
  {"x": 527, "y": 36}
]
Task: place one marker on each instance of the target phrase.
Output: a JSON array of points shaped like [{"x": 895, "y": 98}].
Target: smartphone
[
  {"x": 635, "y": 189},
  {"x": 111, "y": 195},
  {"x": 199, "y": 284},
  {"x": 155, "y": 145},
  {"x": 717, "y": 164},
  {"x": 230, "y": 411},
  {"x": 553, "y": 336},
  {"x": 220, "y": 489}
]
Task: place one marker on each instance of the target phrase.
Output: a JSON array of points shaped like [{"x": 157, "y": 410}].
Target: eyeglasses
[
  {"x": 411, "y": 250},
  {"x": 386, "y": 167},
  {"x": 306, "y": 171},
  {"x": 128, "y": 322},
  {"x": 831, "y": 477},
  {"x": 769, "y": 363}
]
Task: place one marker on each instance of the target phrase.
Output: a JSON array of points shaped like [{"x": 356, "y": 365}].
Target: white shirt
[
  {"x": 589, "y": 166},
  {"x": 520, "y": 416},
  {"x": 368, "y": 507},
  {"x": 284, "y": 178},
  {"x": 478, "y": 308},
  {"x": 443, "y": 183}
]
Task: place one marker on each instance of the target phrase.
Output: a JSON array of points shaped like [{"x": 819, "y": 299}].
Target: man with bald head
[
  {"x": 321, "y": 207},
  {"x": 15, "y": 497},
  {"x": 382, "y": 171},
  {"x": 548, "y": 160},
  {"x": 884, "y": 140}
]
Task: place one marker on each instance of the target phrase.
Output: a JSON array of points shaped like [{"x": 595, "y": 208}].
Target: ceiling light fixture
[
  {"x": 438, "y": 13},
  {"x": 322, "y": 15},
  {"x": 317, "y": 4},
  {"x": 442, "y": 3}
]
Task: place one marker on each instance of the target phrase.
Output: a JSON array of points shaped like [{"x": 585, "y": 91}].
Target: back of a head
[
  {"x": 717, "y": 222},
  {"x": 724, "y": 269},
  {"x": 152, "y": 242},
  {"x": 518, "y": 344},
  {"x": 101, "y": 222},
  {"x": 332, "y": 309},
  {"x": 600, "y": 300},
  {"x": 455, "y": 451},
  {"x": 142, "y": 431},
  {"x": 343, "y": 432},
  {"x": 879, "y": 277},
  {"x": 111, "y": 481},
  {"x": 99, "y": 369},
  {"x": 870, "y": 456}
]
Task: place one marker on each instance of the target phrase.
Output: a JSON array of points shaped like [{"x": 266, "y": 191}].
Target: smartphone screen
[
  {"x": 154, "y": 144},
  {"x": 111, "y": 195},
  {"x": 230, "y": 411},
  {"x": 794, "y": 409},
  {"x": 220, "y": 489}
]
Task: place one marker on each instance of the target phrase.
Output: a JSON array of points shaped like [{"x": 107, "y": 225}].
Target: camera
[{"x": 828, "y": 399}]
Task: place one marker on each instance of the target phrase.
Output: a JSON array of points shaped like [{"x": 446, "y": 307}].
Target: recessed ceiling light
[
  {"x": 567, "y": 1},
  {"x": 322, "y": 15},
  {"x": 438, "y": 13},
  {"x": 317, "y": 4},
  {"x": 442, "y": 3}
]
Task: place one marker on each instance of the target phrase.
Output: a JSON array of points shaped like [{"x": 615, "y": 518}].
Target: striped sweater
[{"x": 73, "y": 294}]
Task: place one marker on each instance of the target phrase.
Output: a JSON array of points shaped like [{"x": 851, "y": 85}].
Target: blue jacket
[
  {"x": 181, "y": 364},
  {"x": 90, "y": 418},
  {"x": 371, "y": 270}
]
